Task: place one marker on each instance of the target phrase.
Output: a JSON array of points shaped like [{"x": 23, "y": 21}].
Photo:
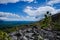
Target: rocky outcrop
[{"x": 35, "y": 34}]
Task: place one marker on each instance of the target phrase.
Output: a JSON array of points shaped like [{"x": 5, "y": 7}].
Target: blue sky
[{"x": 27, "y": 10}]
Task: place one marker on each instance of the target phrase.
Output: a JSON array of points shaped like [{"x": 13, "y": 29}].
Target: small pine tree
[{"x": 47, "y": 20}]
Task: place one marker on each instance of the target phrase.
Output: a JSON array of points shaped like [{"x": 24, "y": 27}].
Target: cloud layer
[
  {"x": 13, "y": 1},
  {"x": 53, "y": 2},
  {"x": 14, "y": 17},
  {"x": 8, "y": 16},
  {"x": 39, "y": 11}
]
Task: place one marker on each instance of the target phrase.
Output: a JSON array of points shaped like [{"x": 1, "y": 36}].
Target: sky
[{"x": 27, "y": 10}]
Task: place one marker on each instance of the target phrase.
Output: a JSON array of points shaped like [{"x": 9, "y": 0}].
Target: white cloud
[
  {"x": 6, "y": 14},
  {"x": 29, "y": 18},
  {"x": 13, "y": 1},
  {"x": 58, "y": 11},
  {"x": 27, "y": 0},
  {"x": 14, "y": 17},
  {"x": 39, "y": 11},
  {"x": 51, "y": 2},
  {"x": 9, "y": 16},
  {"x": 8, "y": 1}
]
